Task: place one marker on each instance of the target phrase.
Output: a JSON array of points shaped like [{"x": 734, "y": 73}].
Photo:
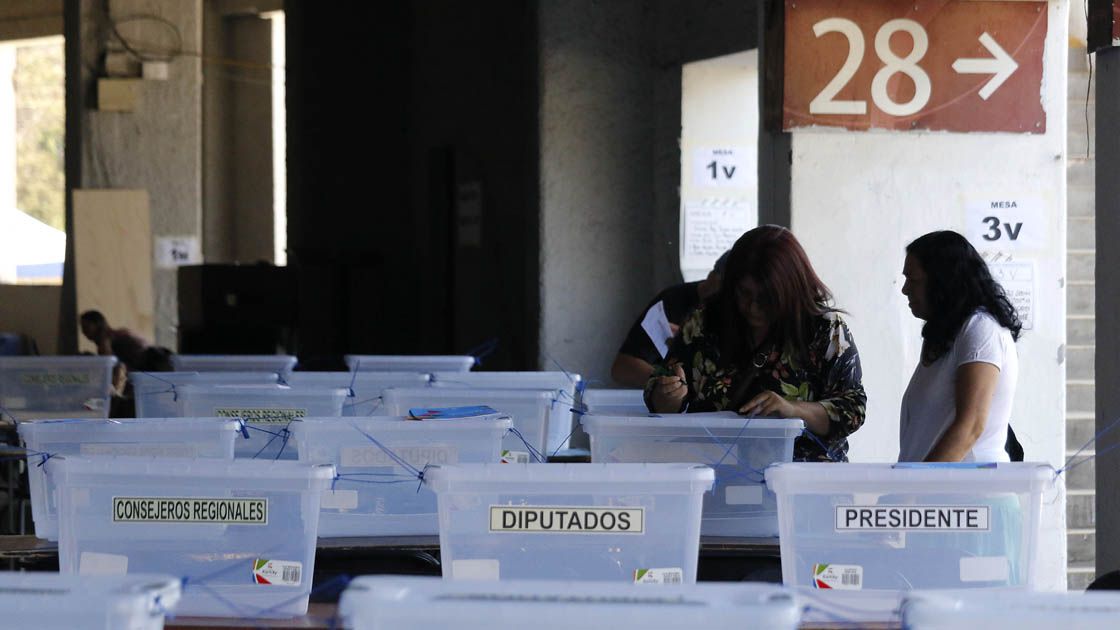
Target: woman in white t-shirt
[{"x": 958, "y": 404}]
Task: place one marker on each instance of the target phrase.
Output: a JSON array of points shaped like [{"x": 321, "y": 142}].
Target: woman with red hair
[{"x": 769, "y": 343}]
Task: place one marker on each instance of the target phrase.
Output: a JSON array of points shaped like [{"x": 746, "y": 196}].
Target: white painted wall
[
  {"x": 1078, "y": 23},
  {"x": 719, "y": 109},
  {"x": 7, "y": 158},
  {"x": 859, "y": 198},
  {"x": 279, "y": 141}
]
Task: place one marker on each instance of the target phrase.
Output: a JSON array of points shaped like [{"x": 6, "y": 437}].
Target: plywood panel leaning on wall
[{"x": 113, "y": 259}]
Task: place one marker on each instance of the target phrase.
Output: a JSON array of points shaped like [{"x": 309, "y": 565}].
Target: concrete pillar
[
  {"x": 1108, "y": 308},
  {"x": 595, "y": 164},
  {"x": 158, "y": 147}
]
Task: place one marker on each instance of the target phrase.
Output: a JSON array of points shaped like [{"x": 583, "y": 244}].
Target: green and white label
[
  {"x": 277, "y": 572},
  {"x": 658, "y": 576},
  {"x": 515, "y": 457},
  {"x": 841, "y": 577},
  {"x": 539, "y": 519},
  {"x": 190, "y": 510},
  {"x": 261, "y": 415},
  {"x": 943, "y": 518}
]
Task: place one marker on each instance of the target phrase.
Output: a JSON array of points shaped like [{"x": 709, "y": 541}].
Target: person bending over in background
[
  {"x": 769, "y": 343},
  {"x": 122, "y": 343},
  {"x": 958, "y": 403},
  {"x": 633, "y": 365}
]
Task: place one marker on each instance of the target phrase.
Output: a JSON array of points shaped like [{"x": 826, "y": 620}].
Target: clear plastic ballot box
[
  {"x": 375, "y": 495},
  {"x": 241, "y": 532},
  {"x": 608, "y": 522},
  {"x": 162, "y": 437},
  {"x": 738, "y": 448},
  {"x": 865, "y": 532},
  {"x": 422, "y": 603},
  {"x": 53, "y": 601}
]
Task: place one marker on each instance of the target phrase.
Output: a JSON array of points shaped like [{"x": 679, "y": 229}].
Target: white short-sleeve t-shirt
[{"x": 929, "y": 405}]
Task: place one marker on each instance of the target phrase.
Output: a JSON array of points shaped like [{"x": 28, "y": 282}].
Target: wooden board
[{"x": 113, "y": 259}]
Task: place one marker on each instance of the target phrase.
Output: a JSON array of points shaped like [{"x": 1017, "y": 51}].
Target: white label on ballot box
[
  {"x": 154, "y": 449},
  {"x": 260, "y": 415},
  {"x": 339, "y": 500},
  {"x": 95, "y": 563},
  {"x": 566, "y": 519},
  {"x": 941, "y": 518},
  {"x": 743, "y": 495},
  {"x": 418, "y": 456},
  {"x": 241, "y": 511},
  {"x": 699, "y": 451},
  {"x": 14, "y": 402},
  {"x": 48, "y": 378}
]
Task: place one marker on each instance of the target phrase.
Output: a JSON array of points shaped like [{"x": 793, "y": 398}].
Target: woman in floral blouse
[{"x": 768, "y": 344}]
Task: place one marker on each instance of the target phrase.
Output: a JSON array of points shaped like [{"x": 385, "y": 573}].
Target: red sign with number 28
[{"x": 956, "y": 65}]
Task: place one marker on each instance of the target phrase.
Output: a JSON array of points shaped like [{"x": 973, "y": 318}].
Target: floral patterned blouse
[{"x": 828, "y": 373}]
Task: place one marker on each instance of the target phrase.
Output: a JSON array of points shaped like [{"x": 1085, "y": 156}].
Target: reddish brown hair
[{"x": 789, "y": 292}]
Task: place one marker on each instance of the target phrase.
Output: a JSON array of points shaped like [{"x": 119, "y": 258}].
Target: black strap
[{"x": 1012, "y": 446}]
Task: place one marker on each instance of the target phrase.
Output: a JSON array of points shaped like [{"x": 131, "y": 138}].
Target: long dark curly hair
[
  {"x": 790, "y": 292},
  {"x": 958, "y": 283}
]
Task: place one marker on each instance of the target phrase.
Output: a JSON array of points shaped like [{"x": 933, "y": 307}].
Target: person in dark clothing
[
  {"x": 770, "y": 343},
  {"x": 129, "y": 348},
  {"x": 633, "y": 365}
]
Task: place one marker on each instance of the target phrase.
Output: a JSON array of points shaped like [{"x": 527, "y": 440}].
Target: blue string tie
[
  {"x": 829, "y": 452},
  {"x": 1070, "y": 466},
  {"x": 561, "y": 368},
  {"x": 171, "y": 387},
  {"x": 353, "y": 377},
  {"x": 283, "y": 435},
  {"x": 533, "y": 452},
  {"x": 483, "y": 350}
]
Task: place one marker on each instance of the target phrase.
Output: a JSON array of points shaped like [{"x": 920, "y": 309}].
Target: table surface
[
  {"x": 319, "y": 615},
  {"x": 22, "y": 547},
  {"x": 322, "y": 616}
]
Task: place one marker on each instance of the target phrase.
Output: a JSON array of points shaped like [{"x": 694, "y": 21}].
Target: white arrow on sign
[{"x": 1000, "y": 64}]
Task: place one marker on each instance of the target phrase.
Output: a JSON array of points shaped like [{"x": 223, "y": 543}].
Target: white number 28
[{"x": 826, "y": 103}]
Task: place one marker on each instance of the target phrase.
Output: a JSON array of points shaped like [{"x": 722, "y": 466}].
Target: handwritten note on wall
[
  {"x": 711, "y": 228},
  {"x": 1017, "y": 279}
]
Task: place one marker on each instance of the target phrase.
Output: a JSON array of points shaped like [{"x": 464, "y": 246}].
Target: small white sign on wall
[
  {"x": 176, "y": 251},
  {"x": 723, "y": 167},
  {"x": 1009, "y": 223}
]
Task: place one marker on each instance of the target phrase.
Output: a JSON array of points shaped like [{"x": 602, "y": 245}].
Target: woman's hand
[
  {"x": 669, "y": 391},
  {"x": 769, "y": 404}
]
